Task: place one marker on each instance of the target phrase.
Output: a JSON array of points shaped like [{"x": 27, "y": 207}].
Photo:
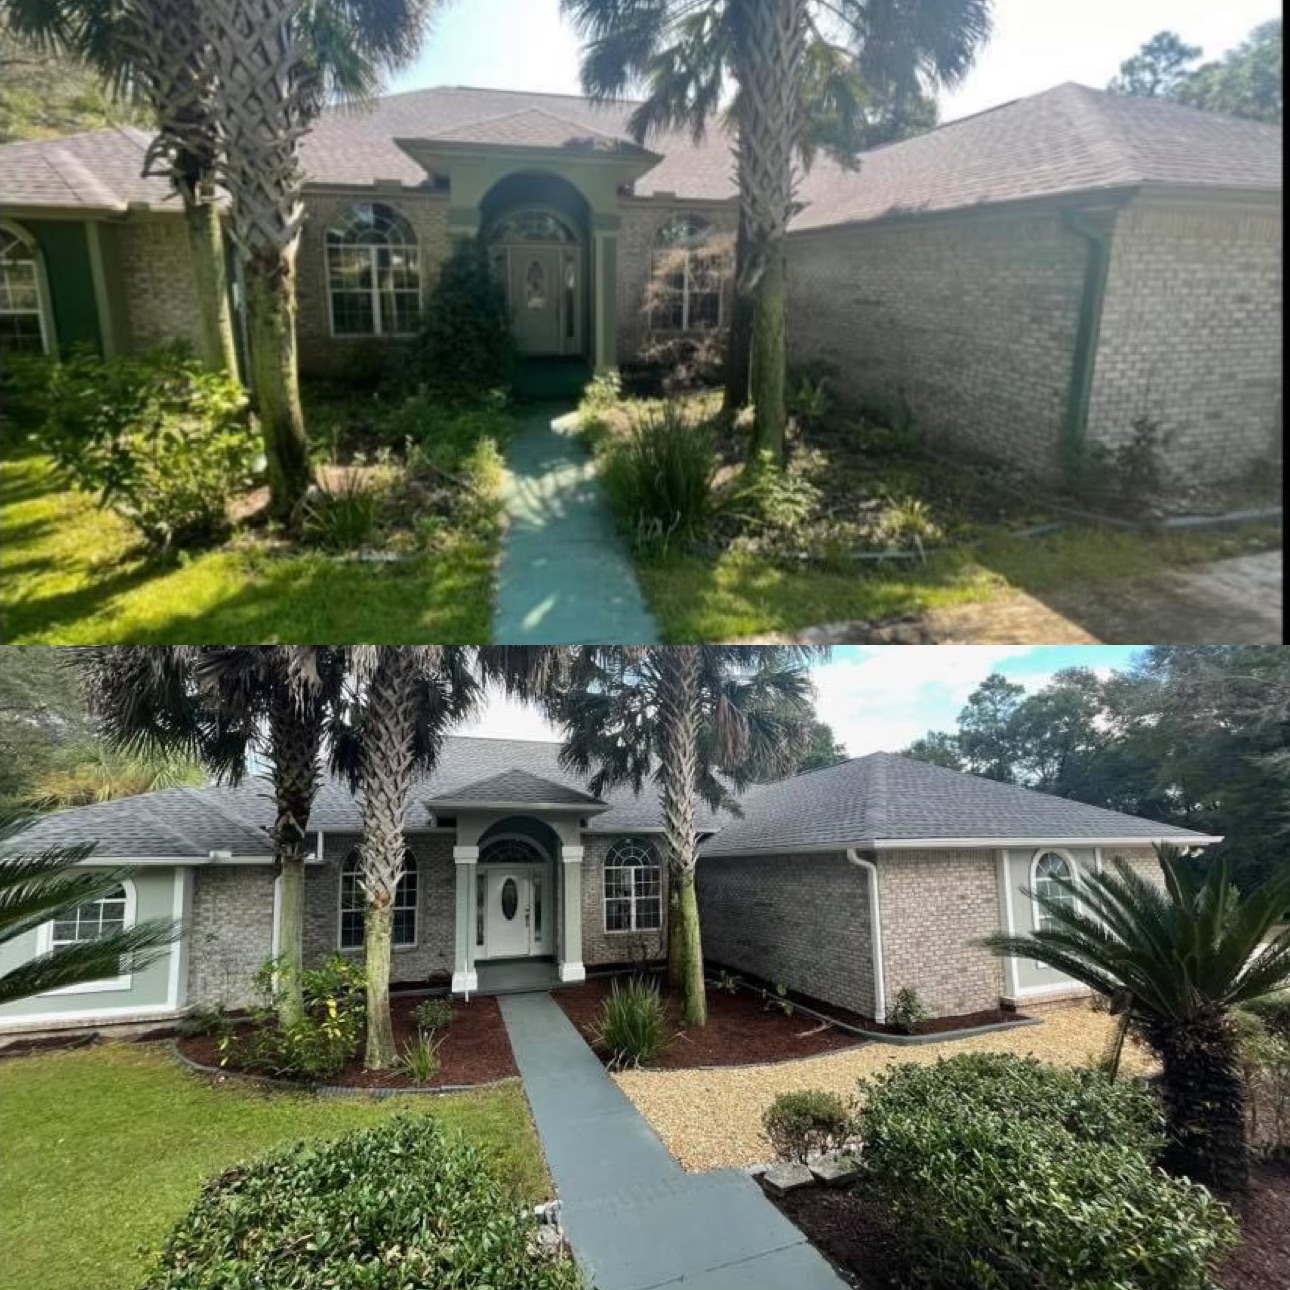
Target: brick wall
[
  {"x": 157, "y": 274},
  {"x": 230, "y": 933},
  {"x": 972, "y": 321},
  {"x": 436, "y": 894},
  {"x": 320, "y": 353},
  {"x": 1191, "y": 336},
  {"x": 799, "y": 919},
  {"x": 598, "y": 945},
  {"x": 934, "y": 905}
]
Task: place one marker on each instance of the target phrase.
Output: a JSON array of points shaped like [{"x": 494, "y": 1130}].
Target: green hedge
[
  {"x": 999, "y": 1171},
  {"x": 405, "y": 1206},
  {"x": 1273, "y": 1010}
]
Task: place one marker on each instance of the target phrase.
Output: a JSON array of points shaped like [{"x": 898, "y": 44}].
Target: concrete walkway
[
  {"x": 634, "y": 1217},
  {"x": 565, "y": 575}
]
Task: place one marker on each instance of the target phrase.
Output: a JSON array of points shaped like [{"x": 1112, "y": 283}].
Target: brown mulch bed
[
  {"x": 857, "y": 1234},
  {"x": 740, "y": 1029},
  {"x": 476, "y": 1048}
]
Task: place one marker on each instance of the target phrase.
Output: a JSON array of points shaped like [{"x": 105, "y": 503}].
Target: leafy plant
[
  {"x": 432, "y": 1014},
  {"x": 603, "y": 392},
  {"x": 1265, "y": 1064},
  {"x": 1000, "y": 1171},
  {"x": 810, "y": 401},
  {"x": 1273, "y": 1010},
  {"x": 765, "y": 497},
  {"x": 659, "y": 477},
  {"x": 215, "y": 1022},
  {"x": 632, "y": 1028},
  {"x": 25, "y": 381},
  {"x": 342, "y": 518},
  {"x": 780, "y": 1000},
  {"x": 806, "y": 1123},
  {"x": 1130, "y": 471},
  {"x": 162, "y": 440},
  {"x": 907, "y": 1010},
  {"x": 728, "y": 982},
  {"x": 420, "y": 1057},
  {"x": 402, "y": 1206},
  {"x": 905, "y": 520}
]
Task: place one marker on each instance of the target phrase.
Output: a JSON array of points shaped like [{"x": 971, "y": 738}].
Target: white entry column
[
  {"x": 571, "y": 968},
  {"x": 464, "y": 978}
]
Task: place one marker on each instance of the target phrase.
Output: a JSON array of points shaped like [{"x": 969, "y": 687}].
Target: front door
[
  {"x": 536, "y": 295},
  {"x": 509, "y": 913}
]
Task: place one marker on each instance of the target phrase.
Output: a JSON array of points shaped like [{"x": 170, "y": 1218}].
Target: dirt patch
[
  {"x": 1262, "y": 1259},
  {"x": 740, "y": 1029},
  {"x": 476, "y": 1048}
]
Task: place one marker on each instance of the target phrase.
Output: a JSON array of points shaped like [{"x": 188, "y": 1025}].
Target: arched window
[
  {"x": 353, "y": 901},
  {"x": 373, "y": 273},
  {"x": 530, "y": 225},
  {"x": 633, "y": 887},
  {"x": 24, "y": 310},
  {"x": 510, "y": 851},
  {"x": 112, "y": 912},
  {"x": 1046, "y": 866},
  {"x": 685, "y": 277}
]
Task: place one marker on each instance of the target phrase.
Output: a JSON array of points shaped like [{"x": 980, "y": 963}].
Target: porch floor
[{"x": 516, "y": 976}]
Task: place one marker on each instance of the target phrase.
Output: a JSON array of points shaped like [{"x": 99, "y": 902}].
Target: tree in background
[
  {"x": 818, "y": 750},
  {"x": 1245, "y": 82}
]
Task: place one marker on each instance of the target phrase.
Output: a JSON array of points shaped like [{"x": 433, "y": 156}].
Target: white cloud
[{"x": 505, "y": 718}]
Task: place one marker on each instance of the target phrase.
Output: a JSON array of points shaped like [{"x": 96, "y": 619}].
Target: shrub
[
  {"x": 807, "y": 1123},
  {"x": 215, "y": 1022},
  {"x": 999, "y": 1171},
  {"x": 809, "y": 400},
  {"x": 1265, "y": 1063},
  {"x": 321, "y": 1042},
  {"x": 1273, "y": 1010},
  {"x": 907, "y": 1010},
  {"x": 160, "y": 439},
  {"x": 24, "y": 391},
  {"x": 464, "y": 347},
  {"x": 659, "y": 477},
  {"x": 632, "y": 1025},
  {"x": 779, "y": 502},
  {"x": 602, "y": 392},
  {"x": 432, "y": 1014},
  {"x": 402, "y": 1206},
  {"x": 419, "y": 1060},
  {"x": 342, "y": 518}
]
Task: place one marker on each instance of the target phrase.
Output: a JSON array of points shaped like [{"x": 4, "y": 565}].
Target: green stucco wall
[{"x": 71, "y": 280}]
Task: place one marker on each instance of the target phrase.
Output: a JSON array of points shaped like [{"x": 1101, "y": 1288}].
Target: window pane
[
  {"x": 405, "y": 927},
  {"x": 649, "y": 914},
  {"x": 352, "y": 314},
  {"x": 618, "y": 915},
  {"x": 20, "y": 334},
  {"x": 618, "y": 882},
  {"x": 351, "y": 930}
]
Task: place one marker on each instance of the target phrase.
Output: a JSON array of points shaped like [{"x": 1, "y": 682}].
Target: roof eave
[
  {"x": 967, "y": 844},
  {"x": 499, "y": 804}
]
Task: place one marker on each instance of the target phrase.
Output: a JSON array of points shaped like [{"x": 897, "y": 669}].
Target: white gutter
[{"x": 875, "y": 933}]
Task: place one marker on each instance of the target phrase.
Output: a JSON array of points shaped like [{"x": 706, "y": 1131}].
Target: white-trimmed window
[
  {"x": 24, "y": 311},
  {"x": 353, "y": 902},
  {"x": 1044, "y": 868},
  {"x": 112, "y": 912},
  {"x": 685, "y": 277},
  {"x": 373, "y": 273},
  {"x": 511, "y": 850},
  {"x": 633, "y": 887}
]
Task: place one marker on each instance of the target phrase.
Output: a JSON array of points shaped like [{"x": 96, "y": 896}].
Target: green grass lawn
[
  {"x": 105, "y": 1148},
  {"x": 697, "y": 598},
  {"x": 73, "y": 574}
]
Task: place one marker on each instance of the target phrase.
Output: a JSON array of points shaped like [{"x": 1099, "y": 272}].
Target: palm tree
[
  {"x": 1178, "y": 960},
  {"x": 700, "y": 721},
  {"x": 777, "y": 54},
  {"x": 37, "y": 888},
  {"x": 220, "y": 704}
]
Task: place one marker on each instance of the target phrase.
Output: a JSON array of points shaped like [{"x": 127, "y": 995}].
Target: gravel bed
[{"x": 711, "y": 1119}]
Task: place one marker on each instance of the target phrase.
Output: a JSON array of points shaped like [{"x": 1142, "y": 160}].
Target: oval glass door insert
[
  {"x": 510, "y": 899},
  {"x": 535, "y": 285}
]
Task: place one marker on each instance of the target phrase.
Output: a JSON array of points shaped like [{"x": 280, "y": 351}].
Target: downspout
[
  {"x": 875, "y": 933},
  {"x": 1086, "y": 338}
]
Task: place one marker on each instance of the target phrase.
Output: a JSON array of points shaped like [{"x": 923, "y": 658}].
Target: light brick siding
[
  {"x": 1142, "y": 859},
  {"x": 598, "y": 945},
  {"x": 436, "y": 894},
  {"x": 799, "y": 919},
  {"x": 157, "y": 273},
  {"x": 230, "y": 933},
  {"x": 1191, "y": 337},
  {"x": 641, "y": 222},
  {"x": 935, "y": 904},
  {"x": 971, "y": 321},
  {"x": 320, "y": 353}
]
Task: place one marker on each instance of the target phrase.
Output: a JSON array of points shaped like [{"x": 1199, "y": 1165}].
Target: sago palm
[
  {"x": 1179, "y": 959},
  {"x": 42, "y": 886},
  {"x": 763, "y": 60},
  {"x": 697, "y": 720}
]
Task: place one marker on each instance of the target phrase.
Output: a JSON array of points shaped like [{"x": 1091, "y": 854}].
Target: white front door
[{"x": 514, "y": 925}]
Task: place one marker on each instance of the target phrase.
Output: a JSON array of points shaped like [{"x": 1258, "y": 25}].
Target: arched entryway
[
  {"x": 515, "y": 890},
  {"x": 537, "y": 227}
]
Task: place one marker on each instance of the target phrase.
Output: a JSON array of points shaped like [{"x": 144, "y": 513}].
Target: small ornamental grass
[
  {"x": 632, "y": 1029},
  {"x": 999, "y": 1171},
  {"x": 404, "y": 1206},
  {"x": 806, "y": 1123}
]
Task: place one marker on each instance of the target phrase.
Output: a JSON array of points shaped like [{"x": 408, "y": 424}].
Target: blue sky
[
  {"x": 884, "y": 697},
  {"x": 528, "y": 45}
]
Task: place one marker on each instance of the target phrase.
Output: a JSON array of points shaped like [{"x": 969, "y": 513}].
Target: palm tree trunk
[
  {"x": 675, "y": 941},
  {"x": 1204, "y": 1097},
  {"x": 275, "y": 382},
  {"x": 679, "y": 712},
  {"x": 378, "y": 924},
  {"x": 210, "y": 276},
  {"x": 769, "y": 359},
  {"x": 739, "y": 343}
]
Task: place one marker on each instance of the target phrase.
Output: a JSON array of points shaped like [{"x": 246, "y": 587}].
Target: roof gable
[{"x": 516, "y": 785}]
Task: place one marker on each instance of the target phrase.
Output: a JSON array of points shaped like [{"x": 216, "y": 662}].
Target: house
[
  {"x": 1027, "y": 283},
  {"x": 845, "y": 884}
]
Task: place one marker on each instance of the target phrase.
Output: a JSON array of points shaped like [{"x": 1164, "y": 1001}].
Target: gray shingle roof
[
  {"x": 1065, "y": 140},
  {"x": 886, "y": 796},
  {"x": 517, "y": 785},
  {"x": 99, "y": 170}
]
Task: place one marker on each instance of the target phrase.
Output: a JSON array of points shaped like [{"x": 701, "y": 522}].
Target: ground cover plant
[
  {"x": 82, "y": 1132},
  {"x": 400, "y": 1206}
]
